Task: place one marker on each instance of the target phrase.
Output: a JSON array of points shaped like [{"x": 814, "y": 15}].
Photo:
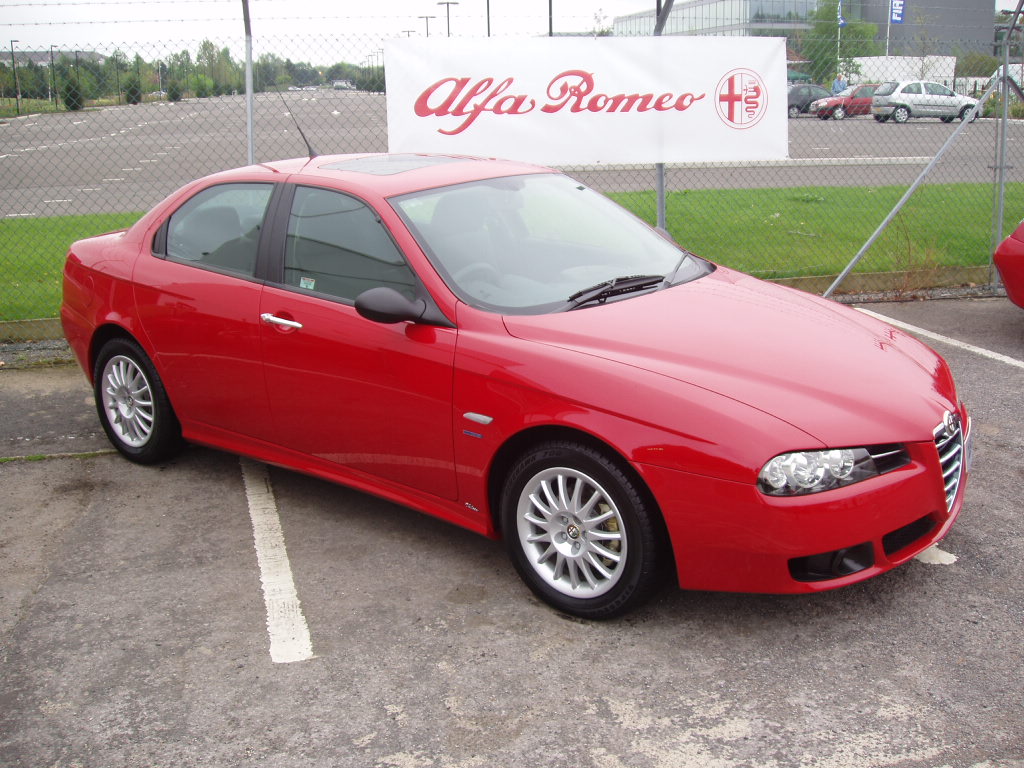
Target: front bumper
[{"x": 727, "y": 536}]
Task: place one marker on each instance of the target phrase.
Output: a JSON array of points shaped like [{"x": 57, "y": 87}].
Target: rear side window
[
  {"x": 886, "y": 89},
  {"x": 912, "y": 88},
  {"x": 935, "y": 89},
  {"x": 338, "y": 246},
  {"x": 220, "y": 227}
]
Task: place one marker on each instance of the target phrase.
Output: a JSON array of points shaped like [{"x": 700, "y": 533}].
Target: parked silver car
[{"x": 919, "y": 98}]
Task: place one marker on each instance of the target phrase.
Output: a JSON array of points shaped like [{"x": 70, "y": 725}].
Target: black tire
[
  {"x": 900, "y": 115},
  {"x": 132, "y": 404},
  {"x": 794, "y": 110},
  {"x": 581, "y": 532},
  {"x": 881, "y": 118},
  {"x": 838, "y": 113},
  {"x": 947, "y": 119},
  {"x": 965, "y": 112}
]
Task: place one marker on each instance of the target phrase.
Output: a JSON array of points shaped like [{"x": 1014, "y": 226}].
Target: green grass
[
  {"x": 32, "y": 255},
  {"x": 792, "y": 232},
  {"x": 771, "y": 233}
]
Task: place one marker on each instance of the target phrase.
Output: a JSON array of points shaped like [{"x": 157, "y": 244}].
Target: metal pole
[
  {"x": 427, "y": 19},
  {"x": 249, "y": 138},
  {"x": 551, "y": 18},
  {"x": 17, "y": 86},
  {"x": 488, "y": 18},
  {"x": 659, "y": 168},
  {"x": 53, "y": 79}
]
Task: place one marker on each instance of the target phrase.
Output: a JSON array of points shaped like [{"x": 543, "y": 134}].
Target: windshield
[{"x": 530, "y": 244}]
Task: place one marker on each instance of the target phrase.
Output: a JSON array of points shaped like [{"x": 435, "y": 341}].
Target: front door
[{"x": 374, "y": 398}]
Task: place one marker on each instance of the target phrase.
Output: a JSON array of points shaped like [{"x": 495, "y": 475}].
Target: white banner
[{"x": 589, "y": 101}]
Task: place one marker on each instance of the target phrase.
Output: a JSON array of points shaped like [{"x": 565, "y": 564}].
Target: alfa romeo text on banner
[{"x": 589, "y": 101}]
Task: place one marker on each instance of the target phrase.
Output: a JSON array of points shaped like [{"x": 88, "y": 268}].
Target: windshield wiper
[{"x": 614, "y": 287}]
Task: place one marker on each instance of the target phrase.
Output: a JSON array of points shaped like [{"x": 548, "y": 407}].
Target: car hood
[{"x": 830, "y": 371}]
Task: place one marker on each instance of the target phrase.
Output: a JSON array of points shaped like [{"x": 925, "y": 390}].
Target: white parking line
[
  {"x": 289, "y": 633},
  {"x": 947, "y": 340}
]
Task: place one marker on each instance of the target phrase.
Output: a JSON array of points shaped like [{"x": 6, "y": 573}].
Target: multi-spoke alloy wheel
[
  {"x": 132, "y": 404},
  {"x": 572, "y": 532},
  {"x": 580, "y": 530},
  {"x": 128, "y": 401}
]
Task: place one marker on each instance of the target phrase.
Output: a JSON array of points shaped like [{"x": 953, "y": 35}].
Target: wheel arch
[
  {"x": 102, "y": 335},
  {"x": 517, "y": 445}
]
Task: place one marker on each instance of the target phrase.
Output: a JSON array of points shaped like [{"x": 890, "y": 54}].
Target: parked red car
[
  {"x": 855, "y": 100},
  {"x": 1009, "y": 260},
  {"x": 497, "y": 345}
]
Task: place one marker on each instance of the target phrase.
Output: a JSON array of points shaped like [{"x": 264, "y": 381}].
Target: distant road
[{"x": 129, "y": 158}]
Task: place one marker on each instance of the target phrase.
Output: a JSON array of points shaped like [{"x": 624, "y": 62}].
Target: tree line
[{"x": 77, "y": 78}]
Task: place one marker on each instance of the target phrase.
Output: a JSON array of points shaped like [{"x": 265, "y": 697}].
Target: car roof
[{"x": 391, "y": 174}]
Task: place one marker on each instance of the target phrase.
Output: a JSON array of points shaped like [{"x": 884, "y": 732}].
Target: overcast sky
[{"x": 37, "y": 24}]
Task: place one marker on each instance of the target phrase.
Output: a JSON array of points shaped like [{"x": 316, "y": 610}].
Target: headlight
[
  {"x": 793, "y": 474},
  {"x": 815, "y": 105}
]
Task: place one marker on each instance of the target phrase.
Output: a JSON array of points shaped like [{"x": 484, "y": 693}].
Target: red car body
[
  {"x": 693, "y": 388},
  {"x": 858, "y": 102},
  {"x": 1009, "y": 260}
]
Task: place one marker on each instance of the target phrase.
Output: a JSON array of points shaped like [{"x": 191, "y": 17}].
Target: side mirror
[{"x": 386, "y": 305}]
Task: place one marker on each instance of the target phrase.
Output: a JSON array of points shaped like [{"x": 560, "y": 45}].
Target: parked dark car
[{"x": 801, "y": 96}]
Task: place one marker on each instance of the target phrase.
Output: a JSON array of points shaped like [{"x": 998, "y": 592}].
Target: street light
[
  {"x": 17, "y": 87},
  {"x": 448, "y": 12},
  {"x": 427, "y": 20}
]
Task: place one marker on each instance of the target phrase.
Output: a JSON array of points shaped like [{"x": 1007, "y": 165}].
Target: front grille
[{"x": 949, "y": 442}]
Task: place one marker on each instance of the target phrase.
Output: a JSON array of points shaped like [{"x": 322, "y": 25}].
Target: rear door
[{"x": 198, "y": 298}]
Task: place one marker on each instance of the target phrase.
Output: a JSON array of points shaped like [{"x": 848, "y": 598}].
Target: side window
[
  {"x": 338, "y": 246},
  {"x": 220, "y": 227},
  {"x": 938, "y": 90},
  {"x": 912, "y": 88}
]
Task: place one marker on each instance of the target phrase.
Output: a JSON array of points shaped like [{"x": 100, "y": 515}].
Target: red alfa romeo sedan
[{"x": 496, "y": 344}]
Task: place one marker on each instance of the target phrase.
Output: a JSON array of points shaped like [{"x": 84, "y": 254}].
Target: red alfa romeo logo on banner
[{"x": 742, "y": 98}]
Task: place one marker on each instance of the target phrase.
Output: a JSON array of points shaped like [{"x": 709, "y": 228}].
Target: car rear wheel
[
  {"x": 838, "y": 113},
  {"x": 132, "y": 404},
  {"x": 900, "y": 115},
  {"x": 794, "y": 110},
  {"x": 946, "y": 119},
  {"x": 580, "y": 531}
]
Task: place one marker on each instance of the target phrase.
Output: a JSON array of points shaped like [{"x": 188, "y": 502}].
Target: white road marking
[
  {"x": 947, "y": 340},
  {"x": 935, "y": 556},
  {"x": 289, "y": 633}
]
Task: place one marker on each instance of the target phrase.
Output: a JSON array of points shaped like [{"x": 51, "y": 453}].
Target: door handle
[{"x": 266, "y": 317}]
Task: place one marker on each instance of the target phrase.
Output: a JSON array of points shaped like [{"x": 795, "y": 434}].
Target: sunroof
[{"x": 387, "y": 165}]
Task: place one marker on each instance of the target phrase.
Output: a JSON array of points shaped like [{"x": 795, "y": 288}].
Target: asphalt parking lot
[{"x": 134, "y": 632}]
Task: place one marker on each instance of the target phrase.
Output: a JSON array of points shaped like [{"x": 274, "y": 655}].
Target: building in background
[{"x": 909, "y": 27}]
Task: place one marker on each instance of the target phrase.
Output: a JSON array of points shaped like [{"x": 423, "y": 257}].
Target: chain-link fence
[{"x": 94, "y": 135}]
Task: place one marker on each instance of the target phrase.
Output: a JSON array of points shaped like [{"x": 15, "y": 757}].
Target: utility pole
[{"x": 427, "y": 20}]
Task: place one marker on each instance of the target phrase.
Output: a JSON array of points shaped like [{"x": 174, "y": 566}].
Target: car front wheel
[
  {"x": 580, "y": 531},
  {"x": 881, "y": 118},
  {"x": 132, "y": 404},
  {"x": 965, "y": 112},
  {"x": 838, "y": 113},
  {"x": 900, "y": 115}
]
